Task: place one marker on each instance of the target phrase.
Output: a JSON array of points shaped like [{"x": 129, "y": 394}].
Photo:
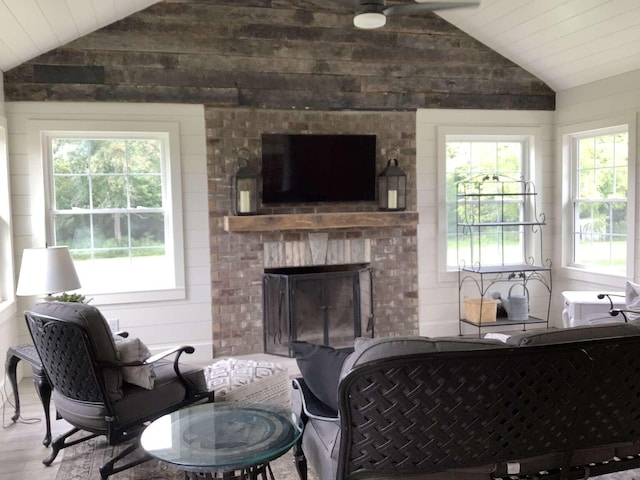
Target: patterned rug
[{"x": 83, "y": 462}]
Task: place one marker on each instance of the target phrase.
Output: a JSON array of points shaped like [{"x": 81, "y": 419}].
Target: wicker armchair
[{"x": 83, "y": 365}]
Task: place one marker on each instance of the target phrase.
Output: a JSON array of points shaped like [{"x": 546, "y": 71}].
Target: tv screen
[{"x": 318, "y": 168}]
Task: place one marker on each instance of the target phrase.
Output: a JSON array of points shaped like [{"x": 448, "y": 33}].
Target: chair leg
[
  {"x": 61, "y": 442},
  {"x": 301, "y": 460},
  {"x": 109, "y": 468}
]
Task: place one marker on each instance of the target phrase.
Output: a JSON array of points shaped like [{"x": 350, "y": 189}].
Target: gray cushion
[
  {"x": 368, "y": 349},
  {"x": 320, "y": 366},
  {"x": 574, "y": 334},
  {"x": 101, "y": 337}
]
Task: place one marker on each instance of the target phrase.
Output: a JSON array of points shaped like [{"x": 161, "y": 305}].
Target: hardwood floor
[{"x": 21, "y": 449}]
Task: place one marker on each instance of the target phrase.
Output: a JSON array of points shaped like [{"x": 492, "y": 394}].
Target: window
[
  {"x": 471, "y": 156},
  {"x": 110, "y": 200},
  {"x": 599, "y": 196}
]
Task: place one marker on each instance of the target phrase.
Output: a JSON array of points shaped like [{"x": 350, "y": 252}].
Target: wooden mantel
[{"x": 319, "y": 221}]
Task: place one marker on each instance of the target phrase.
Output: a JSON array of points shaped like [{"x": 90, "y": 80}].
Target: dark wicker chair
[
  {"x": 566, "y": 410},
  {"x": 82, "y": 364}
]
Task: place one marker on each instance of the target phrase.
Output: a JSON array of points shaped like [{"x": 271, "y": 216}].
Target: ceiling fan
[{"x": 373, "y": 13}]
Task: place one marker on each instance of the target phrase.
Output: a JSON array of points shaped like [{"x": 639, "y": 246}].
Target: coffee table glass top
[{"x": 221, "y": 437}]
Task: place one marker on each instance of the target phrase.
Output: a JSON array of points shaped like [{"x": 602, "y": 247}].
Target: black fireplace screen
[{"x": 328, "y": 308}]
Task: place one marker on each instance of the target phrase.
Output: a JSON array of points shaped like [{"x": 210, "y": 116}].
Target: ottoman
[{"x": 249, "y": 381}]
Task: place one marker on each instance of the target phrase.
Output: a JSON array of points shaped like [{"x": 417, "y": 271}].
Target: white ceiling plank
[
  {"x": 593, "y": 74},
  {"x": 105, "y": 11},
  {"x": 30, "y": 17},
  {"x": 8, "y": 59},
  {"x": 519, "y": 17},
  {"x": 574, "y": 34},
  {"x": 13, "y": 35},
  {"x": 83, "y": 16},
  {"x": 553, "y": 19},
  {"x": 59, "y": 17},
  {"x": 611, "y": 47}
]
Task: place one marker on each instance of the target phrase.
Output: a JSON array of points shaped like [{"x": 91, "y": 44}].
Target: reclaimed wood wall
[{"x": 302, "y": 54}]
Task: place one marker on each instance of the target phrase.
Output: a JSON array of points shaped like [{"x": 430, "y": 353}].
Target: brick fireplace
[{"x": 241, "y": 251}]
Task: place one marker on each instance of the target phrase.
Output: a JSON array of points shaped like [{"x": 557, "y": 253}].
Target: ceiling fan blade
[
  {"x": 443, "y": 5},
  {"x": 426, "y": 6}
]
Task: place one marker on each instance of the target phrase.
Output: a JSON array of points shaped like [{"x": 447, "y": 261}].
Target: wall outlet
[{"x": 114, "y": 324}]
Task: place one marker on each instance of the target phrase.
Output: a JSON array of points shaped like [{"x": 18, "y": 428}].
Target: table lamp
[{"x": 45, "y": 271}]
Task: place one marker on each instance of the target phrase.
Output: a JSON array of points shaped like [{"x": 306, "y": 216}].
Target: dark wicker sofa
[{"x": 550, "y": 404}]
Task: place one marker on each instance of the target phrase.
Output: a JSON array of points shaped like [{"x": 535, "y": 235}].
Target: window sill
[
  {"x": 617, "y": 282},
  {"x": 115, "y": 298}
]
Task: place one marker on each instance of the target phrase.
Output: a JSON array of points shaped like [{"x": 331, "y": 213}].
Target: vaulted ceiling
[{"x": 565, "y": 43}]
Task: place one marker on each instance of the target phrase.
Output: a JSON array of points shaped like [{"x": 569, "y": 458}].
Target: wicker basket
[{"x": 480, "y": 310}]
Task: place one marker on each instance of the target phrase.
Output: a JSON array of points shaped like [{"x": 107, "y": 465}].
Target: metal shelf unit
[{"x": 497, "y": 219}]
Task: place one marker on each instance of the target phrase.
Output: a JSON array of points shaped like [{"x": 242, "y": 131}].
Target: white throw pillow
[
  {"x": 133, "y": 350},
  {"x": 632, "y": 300}
]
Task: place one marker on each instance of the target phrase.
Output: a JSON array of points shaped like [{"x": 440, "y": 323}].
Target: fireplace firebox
[{"x": 328, "y": 307}]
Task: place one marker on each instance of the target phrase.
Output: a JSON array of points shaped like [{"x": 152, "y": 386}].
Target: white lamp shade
[{"x": 45, "y": 271}]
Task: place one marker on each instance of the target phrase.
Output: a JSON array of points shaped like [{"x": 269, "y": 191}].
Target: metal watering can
[{"x": 517, "y": 306}]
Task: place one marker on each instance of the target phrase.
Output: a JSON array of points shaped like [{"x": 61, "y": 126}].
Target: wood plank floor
[{"x": 21, "y": 449}]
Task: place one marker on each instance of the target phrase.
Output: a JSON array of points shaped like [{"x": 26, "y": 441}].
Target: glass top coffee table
[{"x": 222, "y": 438}]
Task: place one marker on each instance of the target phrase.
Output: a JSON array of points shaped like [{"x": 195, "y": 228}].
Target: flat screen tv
[{"x": 318, "y": 168}]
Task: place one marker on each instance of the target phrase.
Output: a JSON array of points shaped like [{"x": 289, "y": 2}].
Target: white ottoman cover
[{"x": 248, "y": 381}]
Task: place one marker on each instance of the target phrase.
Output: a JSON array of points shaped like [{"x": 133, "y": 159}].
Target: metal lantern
[
  {"x": 392, "y": 186},
  {"x": 245, "y": 186}
]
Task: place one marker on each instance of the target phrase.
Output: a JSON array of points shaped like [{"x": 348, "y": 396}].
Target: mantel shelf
[{"x": 319, "y": 221}]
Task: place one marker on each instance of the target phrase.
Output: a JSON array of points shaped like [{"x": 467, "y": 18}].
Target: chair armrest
[
  {"x": 615, "y": 311},
  {"x": 177, "y": 351},
  {"x": 312, "y": 407}
]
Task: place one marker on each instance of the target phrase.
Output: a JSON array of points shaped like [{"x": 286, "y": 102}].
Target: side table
[
  {"x": 223, "y": 440},
  {"x": 29, "y": 354}
]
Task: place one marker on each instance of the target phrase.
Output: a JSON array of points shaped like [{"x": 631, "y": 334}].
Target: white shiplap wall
[
  {"x": 600, "y": 104},
  {"x": 438, "y": 291},
  {"x": 159, "y": 324}
]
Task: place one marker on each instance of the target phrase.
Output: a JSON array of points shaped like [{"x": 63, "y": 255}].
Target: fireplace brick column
[{"x": 238, "y": 258}]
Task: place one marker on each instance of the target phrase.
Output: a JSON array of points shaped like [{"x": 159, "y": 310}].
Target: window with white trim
[
  {"x": 110, "y": 197},
  {"x": 599, "y": 200},
  {"x": 471, "y": 156}
]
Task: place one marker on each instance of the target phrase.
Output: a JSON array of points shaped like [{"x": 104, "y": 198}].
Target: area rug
[{"x": 83, "y": 462}]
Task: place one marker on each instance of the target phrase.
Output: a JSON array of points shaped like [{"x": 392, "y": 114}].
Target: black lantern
[
  {"x": 392, "y": 186},
  {"x": 245, "y": 186}
]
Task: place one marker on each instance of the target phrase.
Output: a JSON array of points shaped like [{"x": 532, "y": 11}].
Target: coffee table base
[{"x": 255, "y": 472}]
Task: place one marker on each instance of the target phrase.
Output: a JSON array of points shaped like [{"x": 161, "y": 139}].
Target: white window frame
[
  {"x": 527, "y": 135},
  {"x": 174, "y": 240},
  {"x": 7, "y": 290},
  {"x": 568, "y": 134}
]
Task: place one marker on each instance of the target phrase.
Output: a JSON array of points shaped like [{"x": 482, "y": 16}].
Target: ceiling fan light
[{"x": 369, "y": 20}]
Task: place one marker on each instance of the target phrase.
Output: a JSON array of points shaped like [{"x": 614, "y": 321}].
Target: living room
[
  {"x": 529, "y": 108},
  {"x": 218, "y": 74}
]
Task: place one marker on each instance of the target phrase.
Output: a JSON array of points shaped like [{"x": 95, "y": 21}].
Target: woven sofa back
[{"x": 431, "y": 412}]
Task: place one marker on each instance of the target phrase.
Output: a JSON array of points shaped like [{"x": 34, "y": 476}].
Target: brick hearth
[{"x": 238, "y": 258}]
